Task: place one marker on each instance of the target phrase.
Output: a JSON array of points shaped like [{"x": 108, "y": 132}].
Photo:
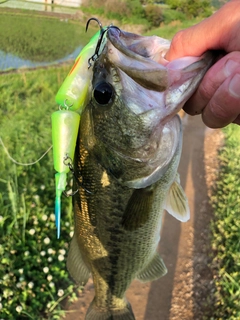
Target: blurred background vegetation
[{"x": 34, "y": 283}]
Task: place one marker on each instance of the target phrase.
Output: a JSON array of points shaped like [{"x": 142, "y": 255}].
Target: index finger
[{"x": 220, "y": 31}]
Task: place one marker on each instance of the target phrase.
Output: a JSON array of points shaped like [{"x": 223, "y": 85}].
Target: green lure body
[
  {"x": 72, "y": 97},
  {"x": 64, "y": 135},
  {"x": 73, "y": 91}
]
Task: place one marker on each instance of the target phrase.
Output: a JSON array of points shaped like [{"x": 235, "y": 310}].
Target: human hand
[{"x": 218, "y": 95}]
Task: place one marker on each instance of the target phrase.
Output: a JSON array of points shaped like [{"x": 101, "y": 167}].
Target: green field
[{"x": 40, "y": 38}]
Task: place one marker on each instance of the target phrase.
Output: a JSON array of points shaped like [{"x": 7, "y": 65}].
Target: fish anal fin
[
  {"x": 75, "y": 264},
  {"x": 155, "y": 269},
  {"x": 176, "y": 202},
  {"x": 95, "y": 313},
  {"x": 138, "y": 209}
]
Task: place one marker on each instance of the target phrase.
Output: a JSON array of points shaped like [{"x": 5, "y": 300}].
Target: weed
[
  {"x": 33, "y": 277},
  {"x": 226, "y": 228}
]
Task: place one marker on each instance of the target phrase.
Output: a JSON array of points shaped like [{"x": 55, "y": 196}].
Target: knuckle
[
  {"x": 206, "y": 89},
  {"x": 177, "y": 42},
  {"x": 218, "y": 110}
]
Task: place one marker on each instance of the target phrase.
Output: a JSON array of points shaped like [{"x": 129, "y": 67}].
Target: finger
[
  {"x": 237, "y": 120},
  {"x": 213, "y": 79},
  {"x": 219, "y": 31},
  {"x": 224, "y": 107}
]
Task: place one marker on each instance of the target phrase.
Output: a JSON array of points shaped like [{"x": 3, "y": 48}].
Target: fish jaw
[{"x": 146, "y": 71}]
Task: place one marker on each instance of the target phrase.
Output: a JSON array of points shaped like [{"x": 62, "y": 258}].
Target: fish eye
[{"x": 103, "y": 93}]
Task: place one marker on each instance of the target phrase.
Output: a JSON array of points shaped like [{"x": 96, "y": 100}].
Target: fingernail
[
  {"x": 230, "y": 67},
  {"x": 234, "y": 86}
]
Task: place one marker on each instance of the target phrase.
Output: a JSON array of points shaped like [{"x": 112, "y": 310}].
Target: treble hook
[
  {"x": 68, "y": 162},
  {"x": 102, "y": 31},
  {"x": 100, "y": 39},
  {"x": 95, "y": 19}
]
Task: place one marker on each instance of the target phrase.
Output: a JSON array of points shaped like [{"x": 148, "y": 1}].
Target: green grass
[
  {"x": 40, "y": 38},
  {"x": 33, "y": 275},
  {"x": 168, "y": 31},
  {"x": 226, "y": 228}
]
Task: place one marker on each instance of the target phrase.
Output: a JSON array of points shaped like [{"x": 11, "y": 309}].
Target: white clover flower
[
  {"x": 51, "y": 284},
  {"x": 49, "y": 305},
  {"x": 50, "y": 259},
  {"x": 31, "y": 232},
  {"x": 60, "y": 292},
  {"x": 19, "y": 309},
  {"x": 26, "y": 253},
  {"x": 67, "y": 224},
  {"x": 20, "y": 271},
  {"x": 19, "y": 285},
  {"x": 5, "y": 277},
  {"x": 52, "y": 217},
  {"x": 46, "y": 240},
  {"x": 62, "y": 251},
  {"x": 30, "y": 285},
  {"x": 45, "y": 269},
  {"x": 21, "y": 279},
  {"x": 49, "y": 277},
  {"x": 36, "y": 197},
  {"x": 60, "y": 257},
  {"x": 71, "y": 234},
  {"x": 42, "y": 253},
  {"x": 44, "y": 217},
  {"x": 50, "y": 251},
  {"x": 42, "y": 187}
]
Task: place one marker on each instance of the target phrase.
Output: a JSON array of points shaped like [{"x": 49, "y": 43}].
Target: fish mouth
[
  {"x": 137, "y": 57},
  {"x": 151, "y": 81},
  {"x": 138, "y": 47}
]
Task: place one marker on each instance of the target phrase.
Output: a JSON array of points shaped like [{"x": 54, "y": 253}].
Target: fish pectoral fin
[
  {"x": 75, "y": 264},
  {"x": 154, "y": 270},
  {"x": 176, "y": 202},
  {"x": 138, "y": 209}
]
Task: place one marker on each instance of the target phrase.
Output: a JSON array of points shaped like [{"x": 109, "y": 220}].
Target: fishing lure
[{"x": 72, "y": 97}]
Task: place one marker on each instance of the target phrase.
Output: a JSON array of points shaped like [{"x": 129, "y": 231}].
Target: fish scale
[{"x": 125, "y": 163}]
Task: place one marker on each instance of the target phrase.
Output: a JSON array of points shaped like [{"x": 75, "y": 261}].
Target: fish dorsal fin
[
  {"x": 176, "y": 202},
  {"x": 138, "y": 209},
  {"x": 75, "y": 264},
  {"x": 154, "y": 270}
]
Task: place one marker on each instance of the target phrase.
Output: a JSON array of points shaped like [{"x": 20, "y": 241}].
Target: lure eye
[{"x": 103, "y": 93}]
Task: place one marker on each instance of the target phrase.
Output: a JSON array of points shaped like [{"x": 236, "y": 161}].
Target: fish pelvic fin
[
  {"x": 176, "y": 202},
  {"x": 75, "y": 264},
  {"x": 95, "y": 313},
  {"x": 154, "y": 270}
]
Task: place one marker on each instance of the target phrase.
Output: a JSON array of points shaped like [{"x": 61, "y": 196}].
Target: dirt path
[{"x": 184, "y": 292}]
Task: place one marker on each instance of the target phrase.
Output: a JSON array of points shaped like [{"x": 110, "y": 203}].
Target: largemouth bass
[{"x": 126, "y": 161}]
